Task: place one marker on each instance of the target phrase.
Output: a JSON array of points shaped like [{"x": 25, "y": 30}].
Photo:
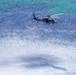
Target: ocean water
[{"x": 28, "y": 47}]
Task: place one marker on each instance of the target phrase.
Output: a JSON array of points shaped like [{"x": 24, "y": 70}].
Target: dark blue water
[{"x": 17, "y": 20}]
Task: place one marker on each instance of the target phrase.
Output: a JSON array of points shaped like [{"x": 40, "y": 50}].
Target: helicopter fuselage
[{"x": 47, "y": 20}]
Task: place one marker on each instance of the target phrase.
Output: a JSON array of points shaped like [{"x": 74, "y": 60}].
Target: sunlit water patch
[{"x": 36, "y": 57}]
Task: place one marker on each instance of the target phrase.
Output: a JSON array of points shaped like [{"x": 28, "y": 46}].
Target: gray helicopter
[{"x": 48, "y": 19}]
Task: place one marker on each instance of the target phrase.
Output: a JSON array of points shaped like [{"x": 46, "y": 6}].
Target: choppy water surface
[{"x": 31, "y": 48}]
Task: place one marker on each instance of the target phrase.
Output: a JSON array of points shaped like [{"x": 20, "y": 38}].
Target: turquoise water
[{"x": 50, "y": 6}]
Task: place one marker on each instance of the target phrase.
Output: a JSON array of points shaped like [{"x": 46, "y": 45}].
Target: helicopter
[{"x": 48, "y": 19}]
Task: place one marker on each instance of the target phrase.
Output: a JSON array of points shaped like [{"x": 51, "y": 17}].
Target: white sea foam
[{"x": 11, "y": 49}]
